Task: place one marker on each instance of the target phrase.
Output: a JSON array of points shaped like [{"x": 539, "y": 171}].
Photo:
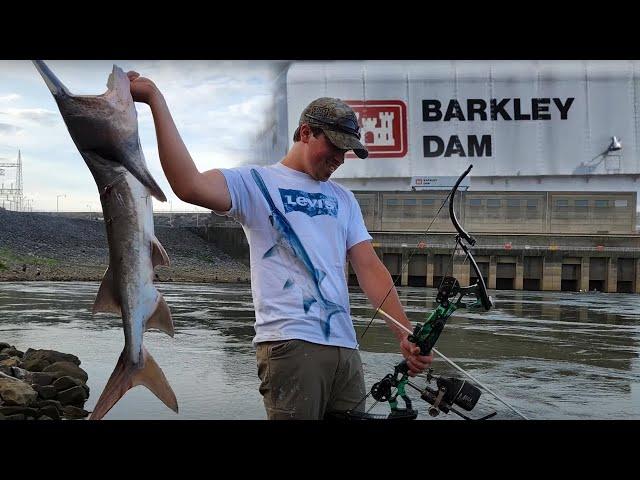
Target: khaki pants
[{"x": 303, "y": 380}]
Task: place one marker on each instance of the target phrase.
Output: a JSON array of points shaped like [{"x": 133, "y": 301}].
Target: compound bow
[{"x": 450, "y": 391}]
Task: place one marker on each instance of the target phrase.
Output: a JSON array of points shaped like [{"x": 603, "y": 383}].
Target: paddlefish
[{"x": 104, "y": 128}]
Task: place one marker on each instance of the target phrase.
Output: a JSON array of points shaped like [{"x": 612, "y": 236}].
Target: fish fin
[
  {"x": 56, "y": 87},
  {"x": 161, "y": 318},
  {"x": 117, "y": 386},
  {"x": 288, "y": 284},
  {"x": 125, "y": 376},
  {"x": 272, "y": 251},
  {"x": 152, "y": 377},
  {"x": 307, "y": 302},
  {"x": 105, "y": 299},
  {"x": 119, "y": 84},
  {"x": 320, "y": 275},
  {"x": 158, "y": 253},
  {"x": 136, "y": 167}
]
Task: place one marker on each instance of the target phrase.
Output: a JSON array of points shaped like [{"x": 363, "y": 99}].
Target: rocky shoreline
[
  {"x": 38, "y": 247},
  {"x": 41, "y": 385}
]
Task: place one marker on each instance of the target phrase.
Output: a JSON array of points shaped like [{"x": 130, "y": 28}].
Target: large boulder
[
  {"x": 51, "y": 412},
  {"x": 64, "y": 383},
  {"x": 47, "y": 392},
  {"x": 12, "y": 351},
  {"x": 35, "y": 364},
  {"x": 73, "y": 396},
  {"x": 66, "y": 369},
  {"x": 46, "y": 403},
  {"x": 41, "y": 378},
  {"x": 4, "y": 345},
  {"x": 49, "y": 356},
  {"x": 17, "y": 416},
  {"x": 74, "y": 412},
  {"x": 8, "y": 376},
  {"x": 15, "y": 392},
  {"x": 20, "y": 373},
  {"x": 26, "y": 411},
  {"x": 10, "y": 362}
]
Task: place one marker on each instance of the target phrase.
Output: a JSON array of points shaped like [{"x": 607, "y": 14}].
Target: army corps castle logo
[{"x": 383, "y": 127}]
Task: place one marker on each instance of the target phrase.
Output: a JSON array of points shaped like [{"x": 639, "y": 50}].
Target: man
[{"x": 301, "y": 228}]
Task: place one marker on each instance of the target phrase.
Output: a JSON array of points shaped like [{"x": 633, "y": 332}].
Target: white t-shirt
[{"x": 299, "y": 230}]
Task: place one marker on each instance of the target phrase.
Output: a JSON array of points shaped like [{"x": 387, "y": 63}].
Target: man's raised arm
[{"x": 206, "y": 189}]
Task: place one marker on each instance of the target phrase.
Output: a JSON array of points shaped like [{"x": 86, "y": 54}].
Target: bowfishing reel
[
  {"x": 451, "y": 391},
  {"x": 382, "y": 392}
]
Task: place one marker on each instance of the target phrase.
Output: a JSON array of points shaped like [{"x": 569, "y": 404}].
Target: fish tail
[{"x": 126, "y": 375}]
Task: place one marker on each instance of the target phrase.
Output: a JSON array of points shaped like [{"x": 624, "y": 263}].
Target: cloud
[
  {"x": 229, "y": 126},
  {"x": 37, "y": 115},
  {"x": 9, "y": 98},
  {"x": 218, "y": 106},
  {"x": 6, "y": 128}
]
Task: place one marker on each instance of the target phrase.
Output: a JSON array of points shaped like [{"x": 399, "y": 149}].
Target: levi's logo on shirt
[{"x": 310, "y": 203}]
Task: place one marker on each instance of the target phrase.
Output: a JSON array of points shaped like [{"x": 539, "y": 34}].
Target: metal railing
[{"x": 502, "y": 247}]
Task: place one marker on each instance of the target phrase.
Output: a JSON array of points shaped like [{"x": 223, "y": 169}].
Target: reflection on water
[{"x": 553, "y": 355}]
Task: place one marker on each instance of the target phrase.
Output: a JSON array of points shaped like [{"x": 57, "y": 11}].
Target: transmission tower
[{"x": 11, "y": 195}]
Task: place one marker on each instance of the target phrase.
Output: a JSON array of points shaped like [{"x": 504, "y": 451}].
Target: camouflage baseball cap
[{"x": 338, "y": 121}]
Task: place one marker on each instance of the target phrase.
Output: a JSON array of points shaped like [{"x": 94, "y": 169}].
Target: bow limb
[{"x": 480, "y": 288}]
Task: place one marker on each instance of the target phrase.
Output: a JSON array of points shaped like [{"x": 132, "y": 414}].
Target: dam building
[{"x": 555, "y": 149}]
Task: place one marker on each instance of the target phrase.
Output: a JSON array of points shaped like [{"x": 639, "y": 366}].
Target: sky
[{"x": 217, "y": 106}]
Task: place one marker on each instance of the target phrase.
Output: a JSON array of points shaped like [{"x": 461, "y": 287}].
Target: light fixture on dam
[{"x": 615, "y": 145}]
